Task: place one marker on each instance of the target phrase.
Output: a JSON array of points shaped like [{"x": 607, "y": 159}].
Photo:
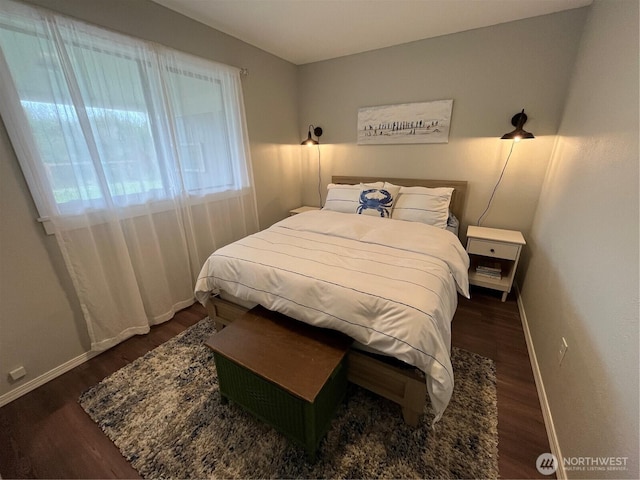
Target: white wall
[
  {"x": 490, "y": 73},
  {"x": 582, "y": 281},
  {"x": 41, "y": 326}
]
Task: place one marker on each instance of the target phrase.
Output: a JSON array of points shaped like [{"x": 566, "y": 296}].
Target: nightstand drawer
[{"x": 492, "y": 249}]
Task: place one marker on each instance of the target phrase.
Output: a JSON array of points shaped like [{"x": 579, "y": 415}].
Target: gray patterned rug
[{"x": 163, "y": 412}]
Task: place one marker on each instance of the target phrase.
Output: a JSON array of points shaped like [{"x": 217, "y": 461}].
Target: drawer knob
[{"x": 492, "y": 250}]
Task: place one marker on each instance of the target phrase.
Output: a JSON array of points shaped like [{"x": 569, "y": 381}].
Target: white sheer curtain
[{"x": 136, "y": 154}]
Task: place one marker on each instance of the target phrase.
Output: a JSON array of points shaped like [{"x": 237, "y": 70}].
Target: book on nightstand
[{"x": 490, "y": 269}]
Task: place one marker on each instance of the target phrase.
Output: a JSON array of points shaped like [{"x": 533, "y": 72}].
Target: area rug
[{"x": 163, "y": 412}]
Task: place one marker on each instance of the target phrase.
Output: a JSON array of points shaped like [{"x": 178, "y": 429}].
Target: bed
[{"x": 389, "y": 283}]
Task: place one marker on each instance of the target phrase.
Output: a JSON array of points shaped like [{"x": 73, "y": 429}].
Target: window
[{"x": 113, "y": 121}]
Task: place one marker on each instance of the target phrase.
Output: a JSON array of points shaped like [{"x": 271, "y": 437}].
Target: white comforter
[{"x": 390, "y": 285}]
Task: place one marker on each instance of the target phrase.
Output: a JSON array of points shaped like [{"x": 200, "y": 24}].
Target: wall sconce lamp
[
  {"x": 317, "y": 131},
  {"x": 518, "y": 121}
]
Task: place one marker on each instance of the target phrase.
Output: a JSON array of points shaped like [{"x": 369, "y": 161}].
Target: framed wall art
[{"x": 424, "y": 122}]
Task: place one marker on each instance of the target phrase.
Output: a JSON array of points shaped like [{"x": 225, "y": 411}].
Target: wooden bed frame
[{"x": 405, "y": 386}]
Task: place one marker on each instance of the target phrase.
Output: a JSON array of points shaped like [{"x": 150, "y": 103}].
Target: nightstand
[
  {"x": 295, "y": 211},
  {"x": 494, "y": 256}
]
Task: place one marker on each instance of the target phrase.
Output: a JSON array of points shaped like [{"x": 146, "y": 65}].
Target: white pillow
[
  {"x": 346, "y": 198},
  {"x": 377, "y": 201},
  {"x": 422, "y": 204}
]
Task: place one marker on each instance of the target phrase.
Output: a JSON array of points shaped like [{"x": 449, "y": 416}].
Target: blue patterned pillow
[{"x": 377, "y": 201}]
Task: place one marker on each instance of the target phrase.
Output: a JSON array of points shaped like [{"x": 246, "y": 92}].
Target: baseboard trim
[
  {"x": 44, "y": 378},
  {"x": 554, "y": 444}
]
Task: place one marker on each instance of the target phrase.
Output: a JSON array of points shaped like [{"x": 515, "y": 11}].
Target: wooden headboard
[{"x": 457, "y": 199}]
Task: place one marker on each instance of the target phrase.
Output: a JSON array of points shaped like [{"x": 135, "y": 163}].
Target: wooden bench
[
  {"x": 400, "y": 383},
  {"x": 289, "y": 374}
]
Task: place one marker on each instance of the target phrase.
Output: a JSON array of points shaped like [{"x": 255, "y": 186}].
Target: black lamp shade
[
  {"x": 518, "y": 121},
  {"x": 317, "y": 131},
  {"x": 309, "y": 140}
]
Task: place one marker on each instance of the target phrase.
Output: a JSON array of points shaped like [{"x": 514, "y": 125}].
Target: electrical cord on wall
[
  {"x": 498, "y": 183},
  {"x": 319, "y": 178}
]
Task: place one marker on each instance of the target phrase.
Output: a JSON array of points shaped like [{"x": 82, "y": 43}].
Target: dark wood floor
[
  {"x": 46, "y": 434},
  {"x": 487, "y": 326}
]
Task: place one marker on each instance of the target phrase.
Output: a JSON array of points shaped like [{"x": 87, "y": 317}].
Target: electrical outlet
[
  {"x": 562, "y": 350},
  {"x": 18, "y": 373}
]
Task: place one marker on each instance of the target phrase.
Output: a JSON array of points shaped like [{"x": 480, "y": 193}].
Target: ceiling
[{"x": 305, "y": 31}]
